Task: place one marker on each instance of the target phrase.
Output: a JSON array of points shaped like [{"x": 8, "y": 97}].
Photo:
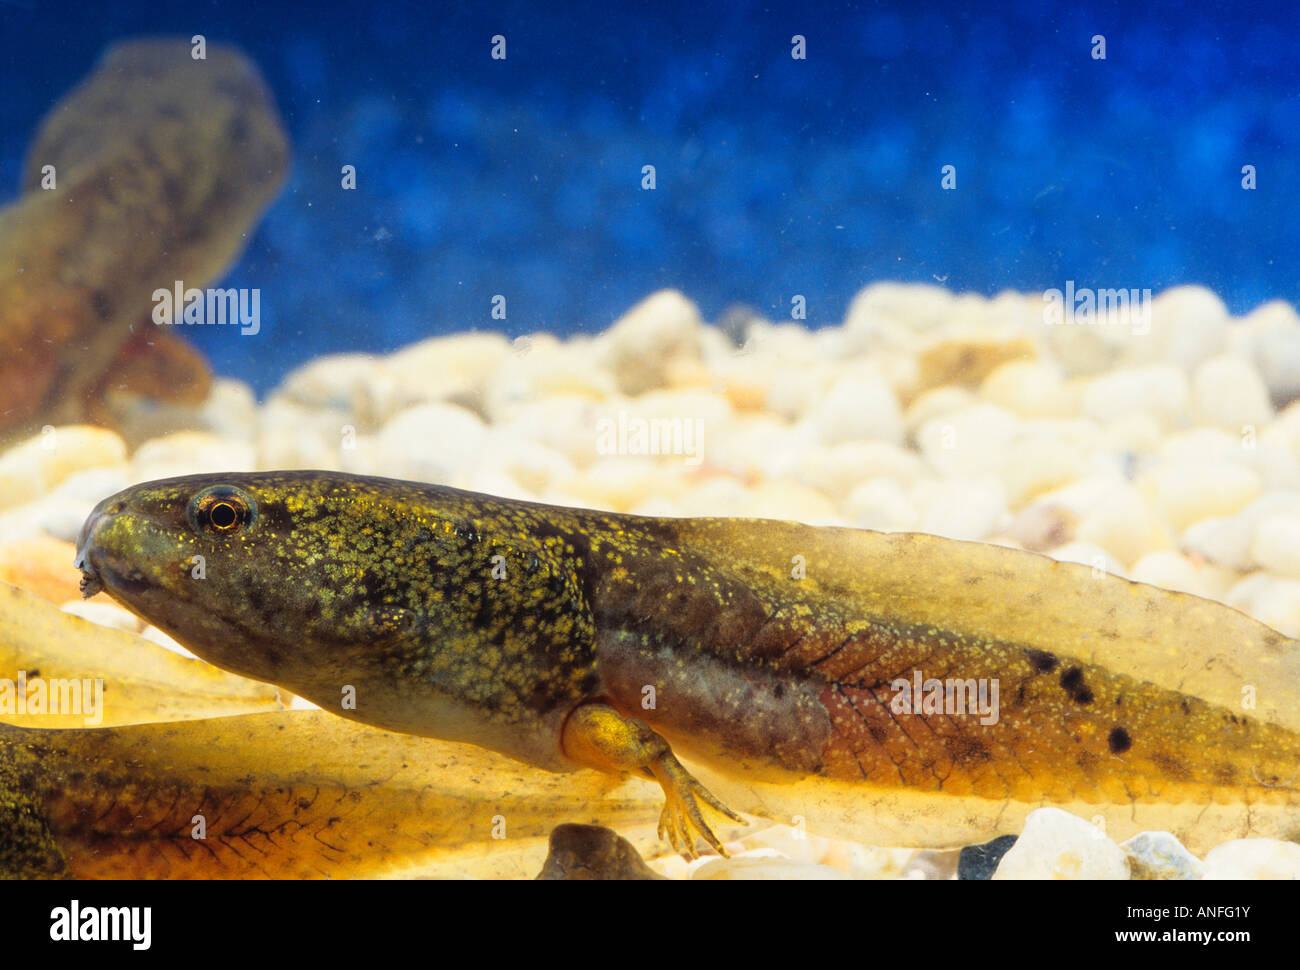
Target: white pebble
[
  {"x": 1188, "y": 492},
  {"x": 881, "y": 504},
  {"x": 1229, "y": 393},
  {"x": 653, "y": 342},
  {"x": 857, "y": 406},
  {"x": 1187, "y": 325},
  {"x": 971, "y": 441},
  {"x": 103, "y": 614},
  {"x": 31, "y": 468},
  {"x": 1058, "y": 845},
  {"x": 1158, "y": 855},
  {"x": 189, "y": 453},
  {"x": 431, "y": 442},
  {"x": 155, "y": 635},
  {"x": 1253, "y": 859},
  {"x": 1087, "y": 554},
  {"x": 1032, "y": 389},
  {"x": 970, "y": 509},
  {"x": 836, "y": 470},
  {"x": 1270, "y": 337},
  {"x": 1272, "y": 600},
  {"x": 936, "y": 403},
  {"x": 1124, "y": 524},
  {"x": 1170, "y": 570},
  {"x": 769, "y": 867},
  {"x": 1161, "y": 390},
  {"x": 1276, "y": 546}
]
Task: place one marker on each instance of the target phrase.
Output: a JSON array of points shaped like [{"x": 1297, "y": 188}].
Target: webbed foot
[{"x": 597, "y": 736}]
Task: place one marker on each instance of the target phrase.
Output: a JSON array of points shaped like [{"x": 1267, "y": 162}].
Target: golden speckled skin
[
  {"x": 392, "y": 588},
  {"x": 475, "y": 618}
]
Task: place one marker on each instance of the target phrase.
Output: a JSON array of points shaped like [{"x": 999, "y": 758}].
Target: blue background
[{"x": 775, "y": 176}]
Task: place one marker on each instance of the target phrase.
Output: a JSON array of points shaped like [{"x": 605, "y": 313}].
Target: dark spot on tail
[
  {"x": 1119, "y": 741},
  {"x": 1043, "y": 661},
  {"x": 1072, "y": 681}
]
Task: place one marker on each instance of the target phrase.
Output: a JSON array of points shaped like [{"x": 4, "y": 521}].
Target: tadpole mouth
[{"x": 90, "y": 583}]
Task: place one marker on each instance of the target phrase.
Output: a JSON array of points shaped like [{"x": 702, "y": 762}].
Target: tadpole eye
[{"x": 222, "y": 511}]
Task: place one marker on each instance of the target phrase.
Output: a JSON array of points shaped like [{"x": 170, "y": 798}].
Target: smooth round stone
[
  {"x": 1275, "y": 460},
  {"x": 104, "y": 614},
  {"x": 620, "y": 482},
  {"x": 971, "y": 441},
  {"x": 1269, "y": 336},
  {"x": 567, "y": 423},
  {"x": 37, "y": 465},
  {"x": 190, "y": 453},
  {"x": 792, "y": 843},
  {"x": 883, "y": 309},
  {"x": 765, "y": 867},
  {"x": 966, "y": 355},
  {"x": 534, "y": 466},
  {"x": 58, "y": 516},
  {"x": 782, "y": 342},
  {"x": 793, "y": 392},
  {"x": 1088, "y": 554},
  {"x": 1185, "y": 493},
  {"x": 1124, "y": 524},
  {"x": 837, "y": 470},
  {"x": 868, "y": 862},
  {"x": 1058, "y": 845},
  {"x": 431, "y": 442},
  {"x": 1228, "y": 393},
  {"x": 1204, "y": 446},
  {"x": 1227, "y": 540},
  {"x": 786, "y": 500},
  {"x": 718, "y": 497},
  {"x": 496, "y": 481},
  {"x": 542, "y": 367},
  {"x": 881, "y": 504},
  {"x": 1158, "y": 855},
  {"x": 935, "y": 404},
  {"x": 1042, "y": 526},
  {"x": 857, "y": 407},
  {"x": 230, "y": 410},
  {"x": 1276, "y": 545},
  {"x": 1171, "y": 570},
  {"x": 333, "y": 381},
  {"x": 658, "y": 336},
  {"x": 305, "y": 448},
  {"x": 683, "y": 404},
  {"x": 1188, "y": 325},
  {"x": 440, "y": 368},
  {"x": 1161, "y": 390},
  {"x": 39, "y": 564},
  {"x": 1086, "y": 349},
  {"x": 970, "y": 509},
  {"x": 1272, "y": 600},
  {"x": 756, "y": 446},
  {"x": 1133, "y": 434},
  {"x": 1049, "y": 454},
  {"x": 156, "y": 636},
  {"x": 1253, "y": 859},
  {"x": 1031, "y": 389}
]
